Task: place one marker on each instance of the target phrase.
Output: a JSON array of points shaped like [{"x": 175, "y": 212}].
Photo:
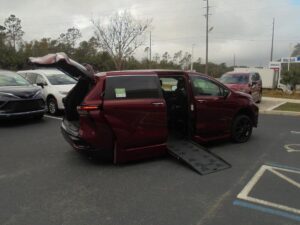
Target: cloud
[{"x": 241, "y": 27}]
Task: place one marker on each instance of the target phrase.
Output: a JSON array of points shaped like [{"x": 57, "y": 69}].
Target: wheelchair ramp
[{"x": 196, "y": 156}]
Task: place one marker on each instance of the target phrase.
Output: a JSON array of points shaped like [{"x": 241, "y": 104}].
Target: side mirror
[
  {"x": 225, "y": 93},
  {"x": 253, "y": 83},
  {"x": 41, "y": 84}
]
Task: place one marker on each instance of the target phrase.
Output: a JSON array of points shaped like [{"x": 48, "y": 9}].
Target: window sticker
[{"x": 120, "y": 92}]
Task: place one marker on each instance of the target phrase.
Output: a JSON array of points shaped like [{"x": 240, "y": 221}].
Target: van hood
[
  {"x": 243, "y": 94},
  {"x": 62, "y": 62},
  {"x": 237, "y": 87}
]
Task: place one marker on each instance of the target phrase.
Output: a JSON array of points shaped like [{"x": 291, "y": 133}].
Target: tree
[
  {"x": 14, "y": 32},
  {"x": 185, "y": 61},
  {"x": 166, "y": 57},
  {"x": 70, "y": 37},
  {"x": 296, "y": 51},
  {"x": 177, "y": 57},
  {"x": 2, "y": 36},
  {"x": 121, "y": 36}
]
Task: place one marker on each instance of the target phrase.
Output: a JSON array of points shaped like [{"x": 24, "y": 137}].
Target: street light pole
[
  {"x": 206, "y": 57},
  {"x": 272, "y": 44},
  {"x": 150, "y": 51},
  {"x": 192, "y": 57}
]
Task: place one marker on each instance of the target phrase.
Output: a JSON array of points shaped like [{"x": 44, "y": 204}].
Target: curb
[
  {"x": 279, "y": 112},
  {"x": 281, "y": 99}
]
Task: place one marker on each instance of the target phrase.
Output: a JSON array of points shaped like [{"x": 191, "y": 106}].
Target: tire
[
  {"x": 52, "y": 106},
  {"x": 241, "y": 129}
]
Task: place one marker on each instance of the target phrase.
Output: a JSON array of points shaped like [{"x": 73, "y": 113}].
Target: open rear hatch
[
  {"x": 62, "y": 62},
  {"x": 84, "y": 76}
]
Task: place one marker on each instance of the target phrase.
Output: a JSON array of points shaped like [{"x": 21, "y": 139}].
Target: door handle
[
  {"x": 201, "y": 101},
  {"x": 157, "y": 103}
]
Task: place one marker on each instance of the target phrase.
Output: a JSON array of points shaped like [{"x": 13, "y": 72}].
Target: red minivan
[
  {"x": 249, "y": 83},
  {"x": 131, "y": 114}
]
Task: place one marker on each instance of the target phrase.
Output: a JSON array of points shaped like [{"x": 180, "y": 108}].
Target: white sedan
[{"x": 55, "y": 84}]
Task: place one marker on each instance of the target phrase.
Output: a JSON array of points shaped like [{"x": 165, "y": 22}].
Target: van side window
[
  {"x": 205, "y": 87},
  {"x": 258, "y": 77},
  {"x": 132, "y": 87}
]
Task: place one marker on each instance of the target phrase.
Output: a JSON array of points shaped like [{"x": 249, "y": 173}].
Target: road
[{"x": 43, "y": 181}]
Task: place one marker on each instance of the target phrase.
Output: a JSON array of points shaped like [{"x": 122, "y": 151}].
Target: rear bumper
[
  {"x": 22, "y": 114},
  {"x": 73, "y": 138}
]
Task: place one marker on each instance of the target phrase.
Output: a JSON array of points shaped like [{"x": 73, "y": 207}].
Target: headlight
[
  {"x": 63, "y": 92},
  {"x": 38, "y": 94},
  {"x": 7, "y": 96}
]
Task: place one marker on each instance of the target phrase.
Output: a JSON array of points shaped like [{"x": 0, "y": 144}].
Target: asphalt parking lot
[{"x": 43, "y": 181}]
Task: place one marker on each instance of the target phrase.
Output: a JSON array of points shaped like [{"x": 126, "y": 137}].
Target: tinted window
[
  {"x": 132, "y": 87},
  {"x": 12, "y": 79},
  {"x": 235, "y": 79},
  {"x": 60, "y": 79},
  {"x": 257, "y": 77},
  {"x": 202, "y": 86},
  {"x": 253, "y": 77}
]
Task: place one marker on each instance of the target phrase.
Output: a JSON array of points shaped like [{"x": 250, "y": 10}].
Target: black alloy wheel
[{"x": 241, "y": 129}]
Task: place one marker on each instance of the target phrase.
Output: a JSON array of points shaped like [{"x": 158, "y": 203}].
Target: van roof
[{"x": 146, "y": 72}]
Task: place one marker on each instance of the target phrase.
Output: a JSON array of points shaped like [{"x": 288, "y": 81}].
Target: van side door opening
[{"x": 175, "y": 93}]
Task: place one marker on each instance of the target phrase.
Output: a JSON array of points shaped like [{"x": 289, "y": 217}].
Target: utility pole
[
  {"x": 233, "y": 60},
  {"x": 272, "y": 45},
  {"x": 192, "y": 57},
  {"x": 206, "y": 16},
  {"x": 150, "y": 49}
]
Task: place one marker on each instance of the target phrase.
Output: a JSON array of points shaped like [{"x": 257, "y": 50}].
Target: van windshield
[{"x": 234, "y": 79}]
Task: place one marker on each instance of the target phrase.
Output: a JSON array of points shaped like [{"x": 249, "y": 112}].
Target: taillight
[{"x": 85, "y": 109}]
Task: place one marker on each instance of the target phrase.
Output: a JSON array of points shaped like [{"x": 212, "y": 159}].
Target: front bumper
[{"x": 22, "y": 114}]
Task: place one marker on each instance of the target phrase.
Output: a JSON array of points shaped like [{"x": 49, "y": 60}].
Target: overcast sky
[{"x": 240, "y": 27}]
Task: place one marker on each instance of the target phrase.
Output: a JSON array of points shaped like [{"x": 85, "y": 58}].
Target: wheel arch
[
  {"x": 50, "y": 96},
  {"x": 247, "y": 112}
]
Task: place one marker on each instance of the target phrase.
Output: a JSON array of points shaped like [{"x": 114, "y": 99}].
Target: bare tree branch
[{"x": 121, "y": 36}]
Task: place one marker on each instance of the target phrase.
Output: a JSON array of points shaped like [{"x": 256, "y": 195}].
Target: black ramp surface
[{"x": 196, "y": 156}]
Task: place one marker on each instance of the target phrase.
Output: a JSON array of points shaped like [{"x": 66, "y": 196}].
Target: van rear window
[{"x": 132, "y": 87}]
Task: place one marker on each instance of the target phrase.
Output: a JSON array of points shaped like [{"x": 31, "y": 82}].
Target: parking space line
[
  {"x": 244, "y": 194},
  {"x": 291, "y": 147},
  {"x": 267, "y": 210},
  {"x": 281, "y": 166},
  {"x": 53, "y": 117},
  {"x": 295, "y": 132},
  {"x": 275, "y": 106}
]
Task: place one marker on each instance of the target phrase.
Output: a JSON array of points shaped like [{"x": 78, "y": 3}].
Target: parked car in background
[
  {"x": 248, "y": 82},
  {"x": 131, "y": 114},
  {"x": 19, "y": 98},
  {"x": 55, "y": 85}
]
